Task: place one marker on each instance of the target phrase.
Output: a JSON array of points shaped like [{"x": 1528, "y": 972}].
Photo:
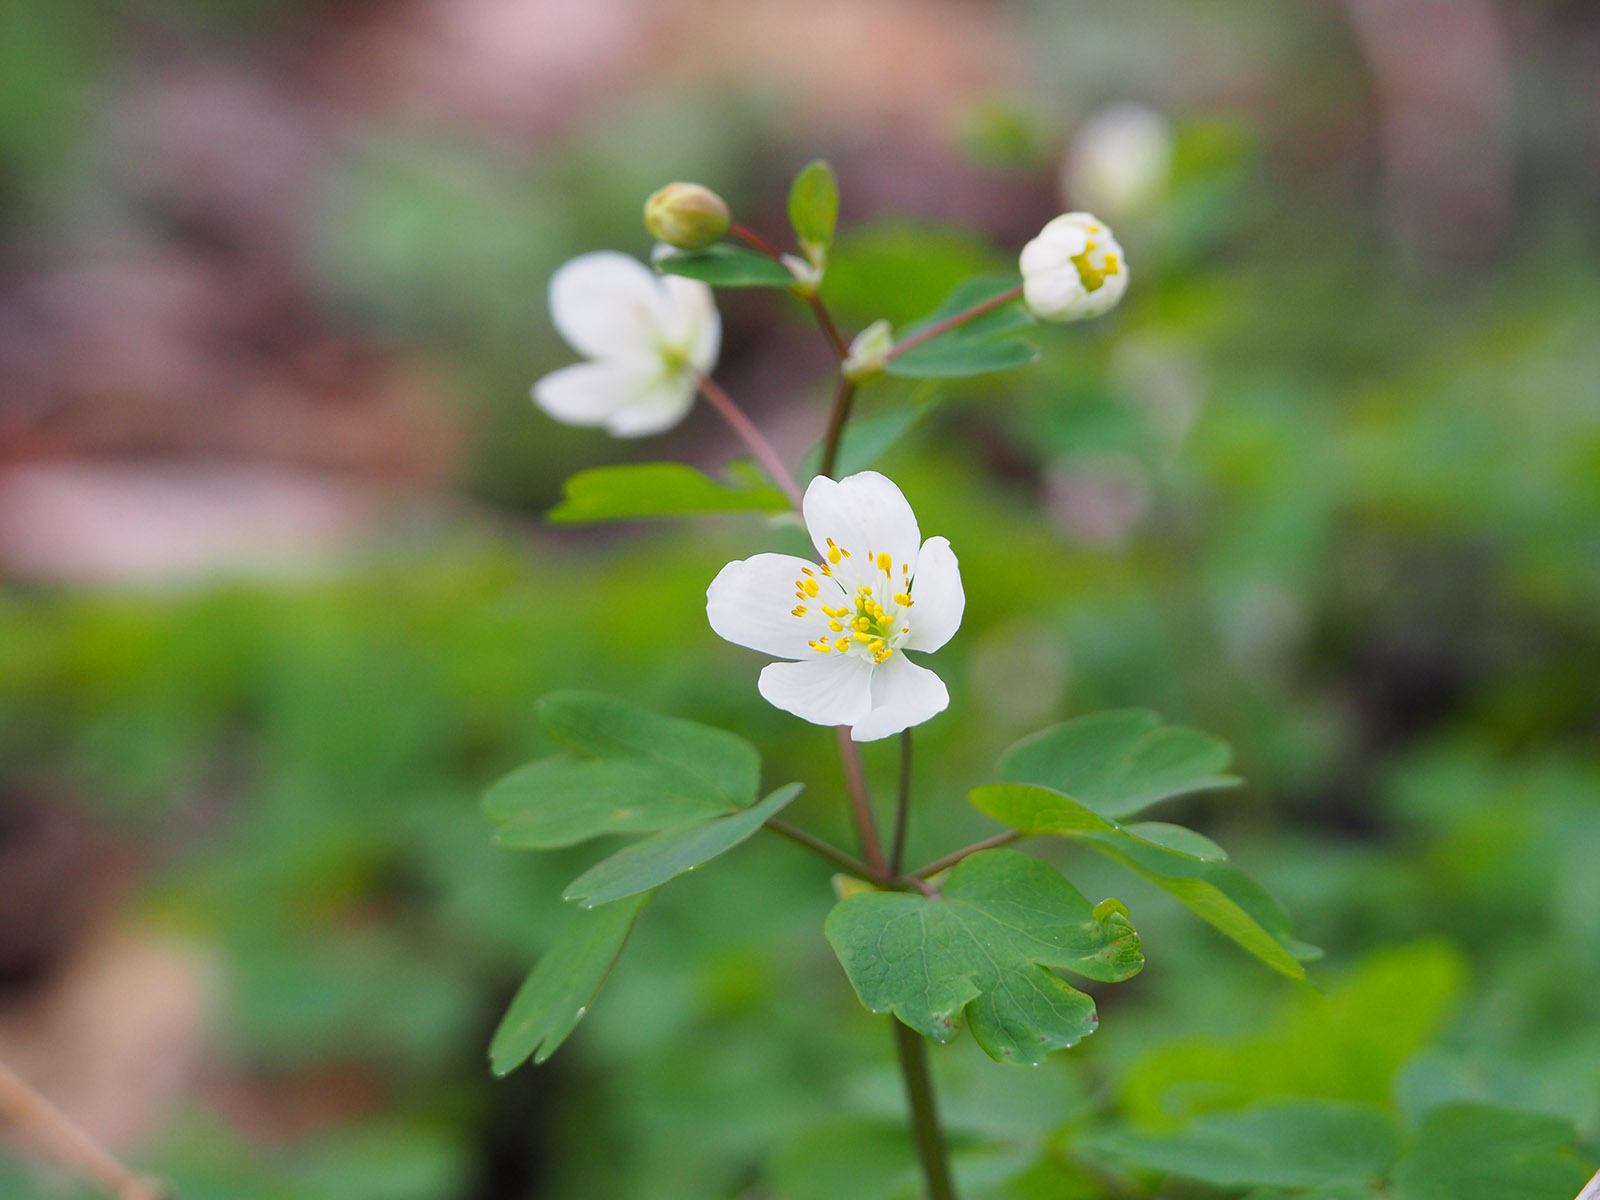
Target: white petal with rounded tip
[
  {"x": 607, "y": 305},
  {"x": 903, "y": 695},
  {"x": 692, "y": 322},
  {"x": 865, "y": 514},
  {"x": 940, "y": 600},
  {"x": 825, "y": 689},
  {"x": 589, "y": 393},
  {"x": 1055, "y": 246},
  {"x": 1056, "y": 295},
  {"x": 660, "y": 405},
  {"x": 750, "y": 601}
]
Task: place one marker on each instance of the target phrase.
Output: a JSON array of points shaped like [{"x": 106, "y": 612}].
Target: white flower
[
  {"x": 648, "y": 337},
  {"x": 1073, "y": 269},
  {"x": 846, "y": 620},
  {"x": 1120, "y": 161}
]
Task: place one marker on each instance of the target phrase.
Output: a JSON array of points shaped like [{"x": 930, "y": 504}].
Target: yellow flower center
[{"x": 870, "y": 622}]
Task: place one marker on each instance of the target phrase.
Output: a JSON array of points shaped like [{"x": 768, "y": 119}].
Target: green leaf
[
  {"x": 565, "y": 982},
  {"x": 953, "y": 357},
  {"x": 722, "y": 265},
  {"x": 1119, "y": 762},
  {"x": 1483, "y": 1152},
  {"x": 1006, "y": 318},
  {"x": 982, "y": 949},
  {"x": 629, "y": 771},
  {"x": 1215, "y": 891},
  {"x": 1288, "y": 1143},
  {"x": 814, "y": 209},
  {"x": 652, "y": 862},
  {"x": 642, "y": 490}
]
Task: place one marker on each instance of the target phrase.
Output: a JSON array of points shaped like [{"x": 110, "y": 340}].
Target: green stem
[
  {"x": 950, "y": 860},
  {"x": 842, "y": 401},
  {"x": 830, "y": 329},
  {"x": 855, "y": 779},
  {"x": 925, "y": 1131},
  {"x": 902, "y": 809},
  {"x": 819, "y": 847},
  {"x": 949, "y": 323}
]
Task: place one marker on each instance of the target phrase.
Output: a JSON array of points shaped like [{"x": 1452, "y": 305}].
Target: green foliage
[
  {"x": 631, "y": 771},
  {"x": 814, "y": 209},
  {"x": 1180, "y": 862},
  {"x": 566, "y": 980},
  {"x": 950, "y": 356},
  {"x": 1118, "y": 763},
  {"x": 1481, "y": 1152},
  {"x": 981, "y": 949},
  {"x": 646, "y": 490},
  {"x": 728, "y": 266},
  {"x": 1284, "y": 1143},
  {"x": 653, "y": 861}
]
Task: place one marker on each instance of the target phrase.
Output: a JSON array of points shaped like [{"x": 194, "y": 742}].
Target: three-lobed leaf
[
  {"x": 982, "y": 950},
  {"x": 626, "y": 770},
  {"x": 1119, "y": 762},
  {"x": 1212, "y": 888},
  {"x": 814, "y": 209},
  {"x": 653, "y": 490},
  {"x": 1290, "y": 1143},
  {"x": 563, "y": 984},
  {"x": 654, "y": 860},
  {"x": 722, "y": 265}
]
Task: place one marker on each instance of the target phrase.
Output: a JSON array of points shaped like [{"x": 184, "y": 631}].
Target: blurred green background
[{"x": 278, "y": 600}]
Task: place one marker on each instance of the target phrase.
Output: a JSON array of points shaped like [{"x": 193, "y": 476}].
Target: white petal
[
  {"x": 1056, "y": 244},
  {"x": 940, "y": 600},
  {"x": 608, "y": 305},
  {"x": 589, "y": 393},
  {"x": 1055, "y": 295},
  {"x": 865, "y": 514},
  {"x": 825, "y": 689},
  {"x": 692, "y": 321},
  {"x": 903, "y": 695},
  {"x": 750, "y": 603},
  {"x": 659, "y": 405}
]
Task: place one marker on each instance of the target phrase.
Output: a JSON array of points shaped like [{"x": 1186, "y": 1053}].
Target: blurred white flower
[
  {"x": 1073, "y": 269},
  {"x": 648, "y": 339},
  {"x": 1120, "y": 161},
  {"x": 844, "y": 621}
]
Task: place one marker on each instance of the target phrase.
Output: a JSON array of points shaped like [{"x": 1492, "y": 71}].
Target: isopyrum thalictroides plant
[{"x": 978, "y": 936}]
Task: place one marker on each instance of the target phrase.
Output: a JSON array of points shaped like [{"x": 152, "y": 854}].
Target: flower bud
[
  {"x": 1073, "y": 269},
  {"x": 686, "y": 215},
  {"x": 869, "y": 351}
]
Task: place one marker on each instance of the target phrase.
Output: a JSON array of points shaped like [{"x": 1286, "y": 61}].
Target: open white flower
[
  {"x": 648, "y": 337},
  {"x": 845, "y": 621},
  {"x": 1073, "y": 269}
]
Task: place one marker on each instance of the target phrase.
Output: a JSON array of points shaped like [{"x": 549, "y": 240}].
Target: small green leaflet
[
  {"x": 982, "y": 949},
  {"x": 1291, "y": 1143},
  {"x": 1483, "y": 1152},
  {"x": 653, "y": 861},
  {"x": 626, "y": 771},
  {"x": 1119, "y": 762},
  {"x": 814, "y": 209},
  {"x": 975, "y": 348},
  {"x": 722, "y": 265},
  {"x": 563, "y": 984},
  {"x": 955, "y": 357},
  {"x": 646, "y": 490},
  {"x": 1212, "y": 888}
]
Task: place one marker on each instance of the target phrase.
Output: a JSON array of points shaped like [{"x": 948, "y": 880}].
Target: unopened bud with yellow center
[{"x": 686, "y": 215}]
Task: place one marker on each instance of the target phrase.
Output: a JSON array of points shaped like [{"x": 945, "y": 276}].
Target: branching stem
[
  {"x": 752, "y": 437},
  {"x": 950, "y": 860},
  {"x": 951, "y": 322},
  {"x": 819, "y": 847}
]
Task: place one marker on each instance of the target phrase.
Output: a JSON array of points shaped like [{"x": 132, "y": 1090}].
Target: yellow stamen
[
  {"x": 877, "y": 646},
  {"x": 807, "y": 571},
  {"x": 861, "y": 623},
  {"x": 798, "y": 610},
  {"x": 842, "y": 645},
  {"x": 884, "y": 563},
  {"x": 902, "y": 599},
  {"x": 862, "y": 637},
  {"x": 810, "y": 587},
  {"x": 836, "y": 626}
]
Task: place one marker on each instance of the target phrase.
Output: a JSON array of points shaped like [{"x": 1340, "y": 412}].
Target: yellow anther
[
  {"x": 1111, "y": 264},
  {"x": 884, "y": 563},
  {"x": 861, "y": 623},
  {"x": 807, "y": 571},
  {"x": 798, "y": 610},
  {"x": 826, "y": 569},
  {"x": 836, "y": 626},
  {"x": 902, "y": 599},
  {"x": 887, "y": 650},
  {"x": 821, "y": 647},
  {"x": 877, "y": 646},
  {"x": 865, "y": 590},
  {"x": 833, "y": 554},
  {"x": 810, "y": 587},
  {"x": 842, "y": 645},
  {"x": 862, "y": 637}
]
